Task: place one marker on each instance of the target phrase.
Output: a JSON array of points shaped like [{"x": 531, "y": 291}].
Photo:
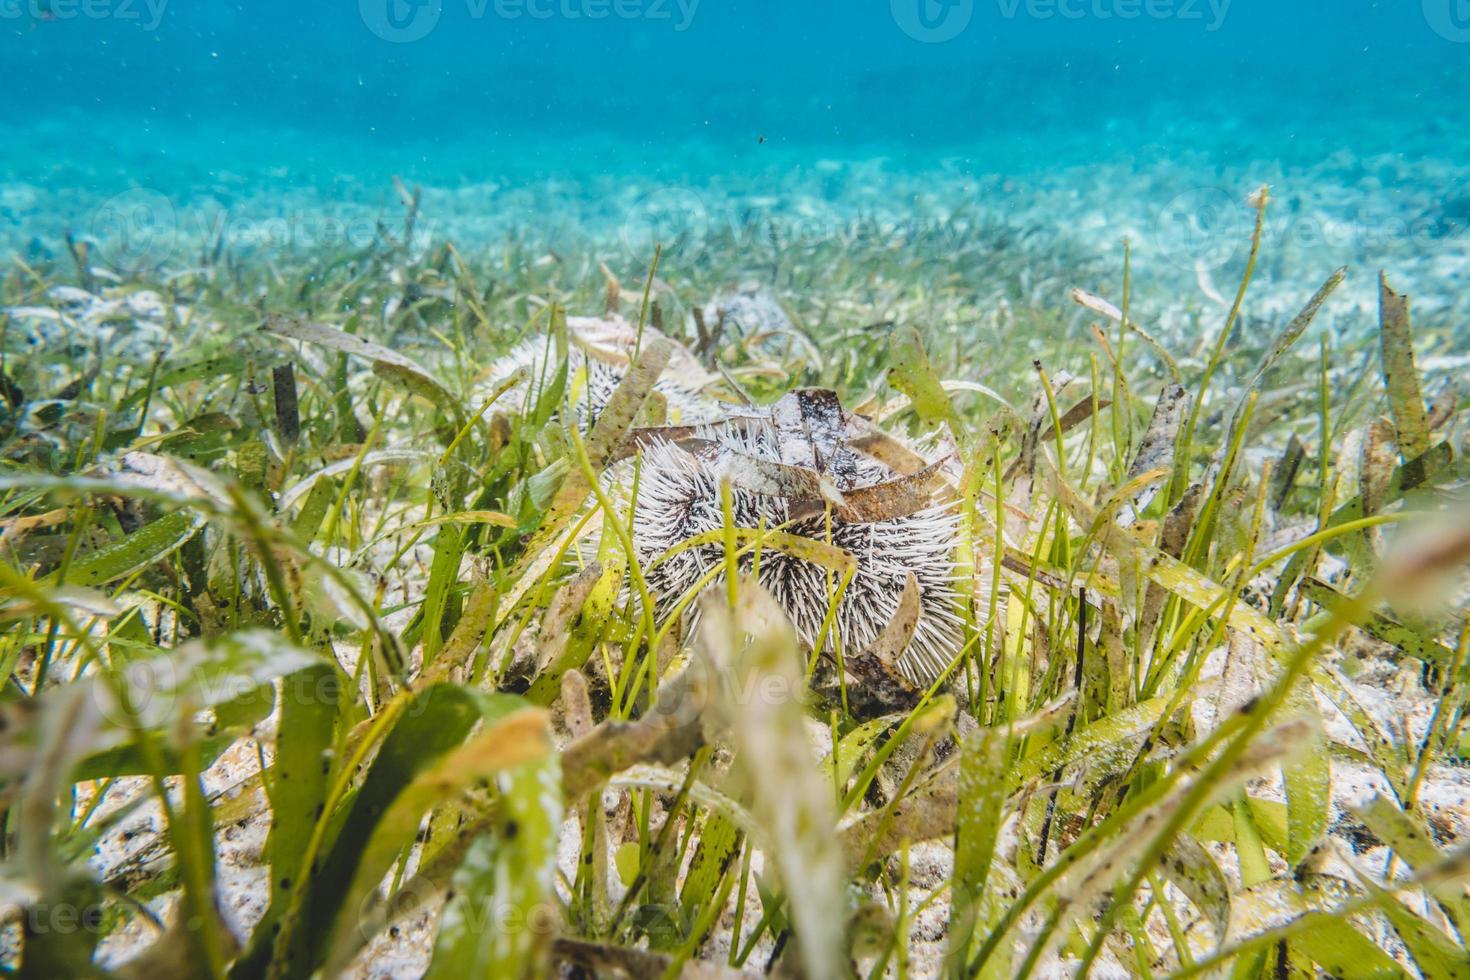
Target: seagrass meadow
[{"x": 337, "y": 638}]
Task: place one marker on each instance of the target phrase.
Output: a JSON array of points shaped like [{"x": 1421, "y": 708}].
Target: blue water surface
[
  {"x": 456, "y": 89},
  {"x": 170, "y": 124}
]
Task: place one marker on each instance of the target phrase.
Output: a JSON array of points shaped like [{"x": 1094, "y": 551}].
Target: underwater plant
[{"x": 471, "y": 638}]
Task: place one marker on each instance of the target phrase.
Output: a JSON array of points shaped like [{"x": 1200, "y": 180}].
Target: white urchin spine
[{"x": 679, "y": 497}]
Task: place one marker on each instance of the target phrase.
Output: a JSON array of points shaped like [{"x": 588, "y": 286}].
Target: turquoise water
[{"x": 566, "y": 115}]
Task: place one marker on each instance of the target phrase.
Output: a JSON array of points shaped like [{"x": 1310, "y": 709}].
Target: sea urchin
[{"x": 780, "y": 465}]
